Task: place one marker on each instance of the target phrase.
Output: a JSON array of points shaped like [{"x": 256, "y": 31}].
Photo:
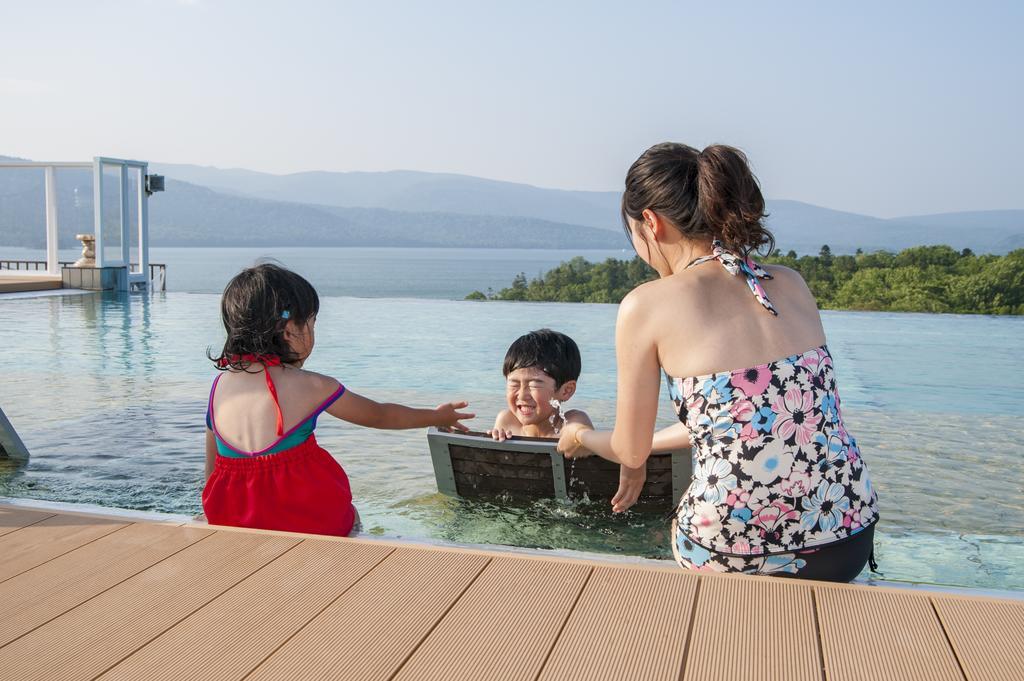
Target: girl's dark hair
[
  {"x": 256, "y": 305},
  {"x": 552, "y": 352},
  {"x": 710, "y": 194}
]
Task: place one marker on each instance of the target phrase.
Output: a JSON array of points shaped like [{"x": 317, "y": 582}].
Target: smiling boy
[{"x": 541, "y": 370}]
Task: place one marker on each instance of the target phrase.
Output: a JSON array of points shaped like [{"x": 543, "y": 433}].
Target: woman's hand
[
  {"x": 448, "y": 416},
  {"x": 569, "y": 441},
  {"x": 631, "y": 483}
]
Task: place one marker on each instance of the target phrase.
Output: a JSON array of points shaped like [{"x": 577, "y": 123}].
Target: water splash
[{"x": 556, "y": 419}]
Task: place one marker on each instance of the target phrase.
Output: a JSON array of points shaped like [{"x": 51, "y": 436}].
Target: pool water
[{"x": 108, "y": 391}]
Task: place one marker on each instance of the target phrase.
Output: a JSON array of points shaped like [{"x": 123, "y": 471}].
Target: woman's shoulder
[
  {"x": 646, "y": 292},
  {"x": 790, "y": 281},
  {"x": 651, "y": 295},
  {"x": 783, "y": 273}
]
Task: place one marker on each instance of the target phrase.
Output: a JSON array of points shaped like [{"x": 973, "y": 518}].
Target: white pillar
[
  {"x": 144, "y": 227},
  {"x": 52, "y": 234},
  {"x": 97, "y": 208},
  {"x": 126, "y": 233}
]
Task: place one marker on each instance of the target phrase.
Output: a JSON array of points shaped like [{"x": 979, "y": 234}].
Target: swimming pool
[{"x": 108, "y": 391}]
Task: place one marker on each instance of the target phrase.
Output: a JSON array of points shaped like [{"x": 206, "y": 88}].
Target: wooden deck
[
  {"x": 86, "y": 597},
  {"x": 13, "y": 283}
]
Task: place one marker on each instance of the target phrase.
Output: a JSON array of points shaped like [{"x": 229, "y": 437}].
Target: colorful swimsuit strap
[
  {"x": 267, "y": 360},
  {"x": 734, "y": 264}
]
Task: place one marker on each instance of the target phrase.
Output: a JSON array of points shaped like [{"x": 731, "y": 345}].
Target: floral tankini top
[{"x": 775, "y": 470}]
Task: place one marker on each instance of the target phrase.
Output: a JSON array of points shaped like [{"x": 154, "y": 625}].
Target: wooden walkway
[
  {"x": 13, "y": 283},
  {"x": 86, "y": 597}
]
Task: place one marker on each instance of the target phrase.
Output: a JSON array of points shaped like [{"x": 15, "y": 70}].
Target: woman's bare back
[{"x": 705, "y": 320}]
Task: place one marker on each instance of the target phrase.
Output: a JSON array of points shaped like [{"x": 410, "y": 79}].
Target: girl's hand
[
  {"x": 500, "y": 434},
  {"x": 448, "y": 416},
  {"x": 631, "y": 483},
  {"x": 569, "y": 442}
]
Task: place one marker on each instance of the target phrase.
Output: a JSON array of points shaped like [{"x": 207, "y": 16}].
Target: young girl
[{"x": 264, "y": 468}]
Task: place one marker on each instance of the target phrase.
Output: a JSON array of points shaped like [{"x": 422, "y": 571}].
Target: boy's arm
[{"x": 578, "y": 416}]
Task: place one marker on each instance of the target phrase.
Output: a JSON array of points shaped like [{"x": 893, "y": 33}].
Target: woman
[{"x": 779, "y": 486}]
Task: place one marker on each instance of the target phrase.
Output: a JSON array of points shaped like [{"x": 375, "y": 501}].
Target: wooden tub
[{"x": 475, "y": 465}]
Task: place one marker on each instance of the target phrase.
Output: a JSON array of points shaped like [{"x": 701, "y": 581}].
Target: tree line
[{"x": 919, "y": 279}]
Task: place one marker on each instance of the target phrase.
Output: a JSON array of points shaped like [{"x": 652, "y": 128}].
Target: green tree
[{"x": 919, "y": 279}]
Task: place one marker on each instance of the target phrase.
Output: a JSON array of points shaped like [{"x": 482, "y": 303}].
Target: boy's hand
[
  {"x": 631, "y": 483},
  {"x": 449, "y": 416},
  {"x": 500, "y": 434}
]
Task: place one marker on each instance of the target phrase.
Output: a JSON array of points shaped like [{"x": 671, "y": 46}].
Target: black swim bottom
[{"x": 839, "y": 562}]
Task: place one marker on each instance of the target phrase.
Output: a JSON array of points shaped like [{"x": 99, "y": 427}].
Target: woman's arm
[
  {"x": 636, "y": 402},
  {"x": 631, "y": 480},
  {"x": 676, "y": 436},
  {"x": 363, "y": 411}
]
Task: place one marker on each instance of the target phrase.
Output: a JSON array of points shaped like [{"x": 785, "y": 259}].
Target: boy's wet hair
[
  {"x": 257, "y": 304},
  {"x": 552, "y": 352}
]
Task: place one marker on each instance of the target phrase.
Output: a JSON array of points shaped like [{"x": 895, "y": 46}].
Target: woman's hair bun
[{"x": 710, "y": 194}]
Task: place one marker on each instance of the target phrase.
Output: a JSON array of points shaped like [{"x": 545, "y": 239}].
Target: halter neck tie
[
  {"x": 267, "y": 361},
  {"x": 735, "y": 265}
]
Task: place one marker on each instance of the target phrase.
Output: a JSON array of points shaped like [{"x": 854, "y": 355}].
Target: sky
[{"x": 883, "y": 108}]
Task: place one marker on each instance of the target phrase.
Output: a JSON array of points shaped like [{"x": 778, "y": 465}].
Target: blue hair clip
[{"x": 286, "y": 314}]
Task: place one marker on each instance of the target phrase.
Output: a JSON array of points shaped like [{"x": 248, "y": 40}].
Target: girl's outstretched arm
[{"x": 363, "y": 411}]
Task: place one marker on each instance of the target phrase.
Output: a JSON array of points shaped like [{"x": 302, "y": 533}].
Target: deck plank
[
  {"x": 52, "y": 537},
  {"x": 231, "y": 635},
  {"x": 12, "y": 519},
  {"x": 88, "y": 640},
  {"x": 987, "y": 635},
  {"x": 373, "y": 627},
  {"x": 44, "y": 592},
  {"x": 753, "y": 628},
  {"x": 505, "y": 624},
  {"x": 628, "y": 624},
  {"x": 877, "y": 633}
]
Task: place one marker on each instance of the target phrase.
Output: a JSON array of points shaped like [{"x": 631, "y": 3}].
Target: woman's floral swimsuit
[{"x": 776, "y": 475}]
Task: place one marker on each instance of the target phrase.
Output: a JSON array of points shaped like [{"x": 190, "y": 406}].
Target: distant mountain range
[{"x": 205, "y": 206}]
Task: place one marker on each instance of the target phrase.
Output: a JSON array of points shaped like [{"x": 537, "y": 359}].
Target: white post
[
  {"x": 144, "y": 227},
  {"x": 52, "y": 233},
  {"x": 97, "y": 208},
  {"x": 126, "y": 241}
]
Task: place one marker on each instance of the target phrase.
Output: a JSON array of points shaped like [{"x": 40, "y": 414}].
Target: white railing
[{"x": 157, "y": 270}]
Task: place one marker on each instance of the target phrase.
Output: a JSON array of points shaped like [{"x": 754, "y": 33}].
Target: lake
[
  {"x": 450, "y": 273},
  {"x": 109, "y": 393}
]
